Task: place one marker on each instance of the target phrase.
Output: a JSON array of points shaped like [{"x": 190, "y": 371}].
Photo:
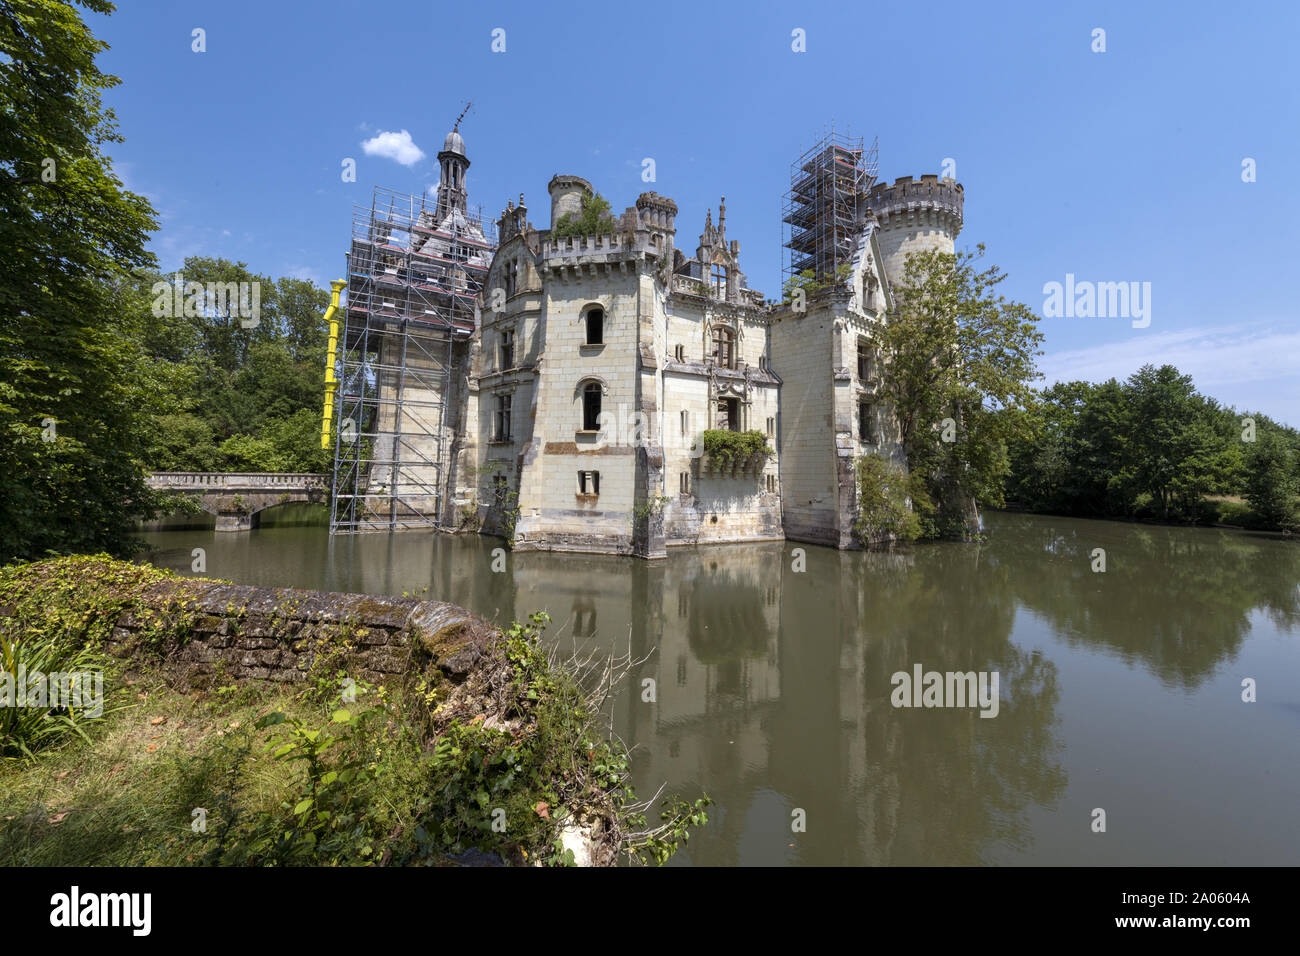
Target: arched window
[
  {"x": 591, "y": 407},
  {"x": 723, "y": 350},
  {"x": 595, "y": 325}
]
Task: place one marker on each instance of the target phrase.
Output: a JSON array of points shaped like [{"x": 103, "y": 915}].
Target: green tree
[
  {"x": 72, "y": 396},
  {"x": 1044, "y": 450},
  {"x": 1151, "y": 446},
  {"x": 957, "y": 354},
  {"x": 246, "y": 394},
  {"x": 1272, "y": 481},
  {"x": 1176, "y": 452}
]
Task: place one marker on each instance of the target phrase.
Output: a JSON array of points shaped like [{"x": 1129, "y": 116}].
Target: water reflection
[
  {"x": 1177, "y": 600},
  {"x": 773, "y": 686}
]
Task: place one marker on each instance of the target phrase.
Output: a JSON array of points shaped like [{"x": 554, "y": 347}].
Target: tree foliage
[
  {"x": 73, "y": 391},
  {"x": 99, "y": 380},
  {"x": 1272, "y": 480},
  {"x": 1150, "y": 447},
  {"x": 244, "y": 396},
  {"x": 957, "y": 354}
]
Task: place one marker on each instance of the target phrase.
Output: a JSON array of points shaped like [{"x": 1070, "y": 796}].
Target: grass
[{"x": 124, "y": 794}]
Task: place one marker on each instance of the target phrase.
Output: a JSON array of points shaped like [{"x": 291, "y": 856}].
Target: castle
[{"x": 567, "y": 410}]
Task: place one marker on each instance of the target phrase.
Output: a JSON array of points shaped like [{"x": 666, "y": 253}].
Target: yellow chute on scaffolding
[{"x": 331, "y": 383}]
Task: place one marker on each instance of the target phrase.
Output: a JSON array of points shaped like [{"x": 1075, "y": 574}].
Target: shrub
[
  {"x": 26, "y": 726},
  {"x": 726, "y": 448},
  {"x": 594, "y": 219},
  {"x": 884, "y": 509}
]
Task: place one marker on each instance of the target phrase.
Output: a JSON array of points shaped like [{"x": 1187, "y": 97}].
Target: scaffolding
[
  {"x": 823, "y": 213},
  {"x": 415, "y": 271}
]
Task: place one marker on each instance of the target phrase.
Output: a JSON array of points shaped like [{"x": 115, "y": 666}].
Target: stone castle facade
[{"x": 597, "y": 360}]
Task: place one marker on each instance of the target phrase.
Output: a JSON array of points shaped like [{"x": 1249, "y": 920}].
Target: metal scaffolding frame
[
  {"x": 823, "y": 213},
  {"x": 414, "y": 274}
]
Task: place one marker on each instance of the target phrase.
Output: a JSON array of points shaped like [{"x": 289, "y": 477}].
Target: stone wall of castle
[
  {"x": 796, "y": 377},
  {"x": 555, "y": 512}
]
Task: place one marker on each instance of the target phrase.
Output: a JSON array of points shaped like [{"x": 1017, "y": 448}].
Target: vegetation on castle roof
[{"x": 593, "y": 220}]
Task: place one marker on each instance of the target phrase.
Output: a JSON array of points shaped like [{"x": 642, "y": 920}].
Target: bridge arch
[{"x": 237, "y": 499}]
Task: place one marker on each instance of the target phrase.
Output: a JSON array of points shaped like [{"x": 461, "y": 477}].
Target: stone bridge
[{"x": 238, "y": 498}]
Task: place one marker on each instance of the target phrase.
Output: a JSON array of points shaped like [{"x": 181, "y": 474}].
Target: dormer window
[{"x": 720, "y": 282}]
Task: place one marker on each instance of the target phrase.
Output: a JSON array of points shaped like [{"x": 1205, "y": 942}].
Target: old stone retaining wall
[{"x": 279, "y": 634}]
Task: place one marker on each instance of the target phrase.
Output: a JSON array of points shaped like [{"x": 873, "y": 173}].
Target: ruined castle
[{"x": 557, "y": 391}]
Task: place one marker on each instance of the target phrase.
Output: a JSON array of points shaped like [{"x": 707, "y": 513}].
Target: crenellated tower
[
  {"x": 849, "y": 238},
  {"x": 915, "y": 215}
]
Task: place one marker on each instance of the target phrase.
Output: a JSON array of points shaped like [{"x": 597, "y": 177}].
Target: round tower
[
  {"x": 915, "y": 216},
  {"x": 567, "y": 193}
]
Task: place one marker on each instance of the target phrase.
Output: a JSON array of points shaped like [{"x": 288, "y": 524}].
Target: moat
[{"x": 1119, "y": 690}]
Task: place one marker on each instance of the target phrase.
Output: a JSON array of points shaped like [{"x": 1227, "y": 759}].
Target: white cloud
[
  {"x": 305, "y": 272},
  {"x": 1218, "y": 355},
  {"x": 395, "y": 146},
  {"x": 1250, "y": 367}
]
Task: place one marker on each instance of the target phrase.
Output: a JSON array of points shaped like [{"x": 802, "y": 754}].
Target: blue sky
[{"x": 1122, "y": 166}]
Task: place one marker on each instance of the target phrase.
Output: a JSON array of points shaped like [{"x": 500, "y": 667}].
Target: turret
[
  {"x": 567, "y": 193},
  {"x": 914, "y": 216},
  {"x": 656, "y": 212}
]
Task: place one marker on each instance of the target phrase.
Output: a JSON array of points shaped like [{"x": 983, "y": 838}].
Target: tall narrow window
[
  {"x": 501, "y": 432},
  {"x": 595, "y": 326},
  {"x": 507, "y": 349},
  {"x": 684, "y": 482},
  {"x": 771, "y": 427},
  {"x": 722, "y": 347},
  {"x": 591, "y": 407},
  {"x": 679, "y": 353},
  {"x": 869, "y": 291},
  {"x": 589, "y": 483},
  {"x": 866, "y": 429},
  {"x": 686, "y": 421},
  {"x": 864, "y": 360}
]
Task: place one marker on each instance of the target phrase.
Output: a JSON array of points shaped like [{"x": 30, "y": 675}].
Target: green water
[{"x": 1119, "y": 690}]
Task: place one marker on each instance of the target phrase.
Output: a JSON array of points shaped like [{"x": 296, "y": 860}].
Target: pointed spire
[{"x": 722, "y": 216}]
